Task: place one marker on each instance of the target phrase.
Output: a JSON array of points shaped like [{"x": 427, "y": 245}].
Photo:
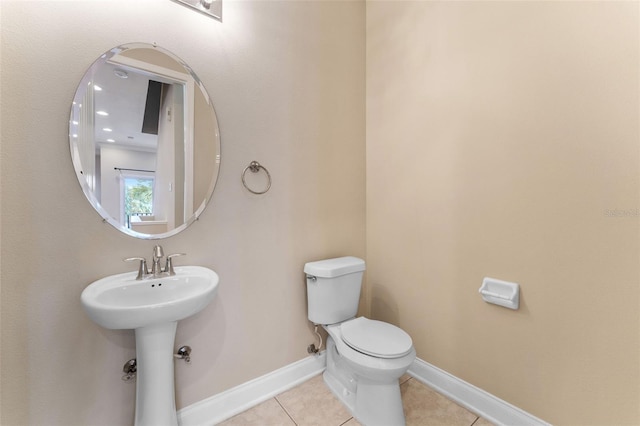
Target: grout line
[
  {"x": 406, "y": 380},
  {"x": 285, "y": 410},
  {"x": 475, "y": 421},
  {"x": 346, "y": 421}
]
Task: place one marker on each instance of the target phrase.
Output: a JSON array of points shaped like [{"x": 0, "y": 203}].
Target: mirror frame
[{"x": 89, "y": 193}]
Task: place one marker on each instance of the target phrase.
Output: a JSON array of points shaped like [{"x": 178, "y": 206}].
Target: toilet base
[{"x": 371, "y": 403}]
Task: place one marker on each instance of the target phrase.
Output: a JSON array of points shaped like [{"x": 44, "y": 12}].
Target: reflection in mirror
[{"x": 144, "y": 141}]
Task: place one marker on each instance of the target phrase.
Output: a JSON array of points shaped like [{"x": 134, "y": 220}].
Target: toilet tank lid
[{"x": 330, "y": 268}]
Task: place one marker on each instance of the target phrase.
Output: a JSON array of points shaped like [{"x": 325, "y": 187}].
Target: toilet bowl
[
  {"x": 365, "y": 357},
  {"x": 368, "y": 384}
]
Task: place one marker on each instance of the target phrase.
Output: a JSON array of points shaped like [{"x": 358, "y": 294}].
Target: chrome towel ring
[{"x": 255, "y": 167}]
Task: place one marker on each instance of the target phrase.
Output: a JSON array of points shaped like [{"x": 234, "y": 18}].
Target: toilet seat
[{"x": 376, "y": 338}]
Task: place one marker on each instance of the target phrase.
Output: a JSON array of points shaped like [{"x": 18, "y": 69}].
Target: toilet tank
[{"x": 333, "y": 289}]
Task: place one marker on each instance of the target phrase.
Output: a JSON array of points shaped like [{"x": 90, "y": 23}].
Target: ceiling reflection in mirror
[{"x": 144, "y": 141}]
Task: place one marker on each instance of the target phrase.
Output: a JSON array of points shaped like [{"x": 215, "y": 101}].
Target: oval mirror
[{"x": 144, "y": 141}]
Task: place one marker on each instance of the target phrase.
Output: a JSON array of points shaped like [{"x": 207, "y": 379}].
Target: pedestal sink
[{"x": 152, "y": 307}]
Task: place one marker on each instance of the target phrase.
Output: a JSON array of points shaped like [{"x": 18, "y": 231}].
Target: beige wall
[
  {"x": 287, "y": 93},
  {"x": 503, "y": 141}
]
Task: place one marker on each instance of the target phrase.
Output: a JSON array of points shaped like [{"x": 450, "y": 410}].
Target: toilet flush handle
[{"x": 311, "y": 278}]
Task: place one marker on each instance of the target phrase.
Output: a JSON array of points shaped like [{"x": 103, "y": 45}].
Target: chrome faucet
[
  {"x": 156, "y": 269},
  {"x": 158, "y": 254}
]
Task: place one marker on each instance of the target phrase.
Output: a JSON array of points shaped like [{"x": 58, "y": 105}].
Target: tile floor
[{"x": 313, "y": 404}]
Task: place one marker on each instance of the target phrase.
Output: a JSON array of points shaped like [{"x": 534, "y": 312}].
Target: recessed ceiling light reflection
[
  {"x": 97, "y": 88},
  {"x": 106, "y": 129},
  {"x": 102, "y": 113},
  {"x": 111, "y": 140}
]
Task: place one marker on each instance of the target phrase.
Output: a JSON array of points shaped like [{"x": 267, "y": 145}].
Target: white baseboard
[
  {"x": 472, "y": 398},
  {"x": 227, "y": 404}
]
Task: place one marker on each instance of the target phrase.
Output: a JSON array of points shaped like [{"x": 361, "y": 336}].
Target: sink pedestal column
[{"x": 155, "y": 392}]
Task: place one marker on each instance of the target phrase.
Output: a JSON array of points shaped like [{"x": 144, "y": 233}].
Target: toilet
[{"x": 365, "y": 358}]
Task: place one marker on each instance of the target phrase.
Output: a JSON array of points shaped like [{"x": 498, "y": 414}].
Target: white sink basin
[{"x": 122, "y": 302}]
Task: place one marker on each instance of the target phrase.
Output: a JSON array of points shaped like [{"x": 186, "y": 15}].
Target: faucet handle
[
  {"x": 169, "y": 266},
  {"x": 142, "y": 270}
]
